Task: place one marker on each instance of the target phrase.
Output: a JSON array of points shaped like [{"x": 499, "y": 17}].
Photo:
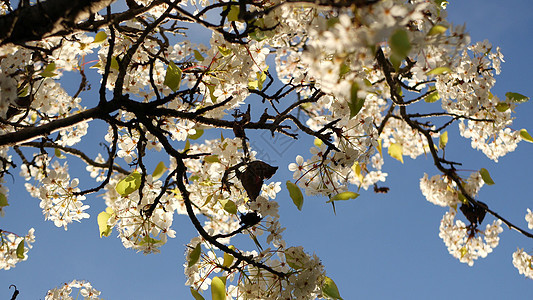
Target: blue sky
[{"x": 375, "y": 247}]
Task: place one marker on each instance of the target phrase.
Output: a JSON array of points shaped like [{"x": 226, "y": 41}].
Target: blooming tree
[{"x": 364, "y": 78}]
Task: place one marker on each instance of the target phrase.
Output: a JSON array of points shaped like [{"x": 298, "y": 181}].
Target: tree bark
[{"x": 31, "y": 23}]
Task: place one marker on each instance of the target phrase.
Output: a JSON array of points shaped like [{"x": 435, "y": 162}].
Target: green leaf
[
  {"x": 525, "y": 136},
  {"x": 96, "y": 66},
  {"x": 399, "y": 43},
  {"x": 296, "y": 194},
  {"x": 58, "y": 153},
  {"x": 196, "y": 295},
  {"x": 462, "y": 198},
  {"x": 218, "y": 289},
  {"x": 516, "y": 97},
  {"x": 173, "y": 76},
  {"x": 198, "y": 56},
  {"x": 258, "y": 83},
  {"x": 330, "y": 290},
  {"x": 318, "y": 142},
  {"x": 160, "y": 169},
  {"x": 229, "y": 206},
  {"x": 441, "y": 3},
  {"x": 114, "y": 63},
  {"x": 48, "y": 71},
  {"x": 344, "y": 69},
  {"x": 129, "y": 184},
  {"x": 433, "y": 97},
  {"x": 438, "y": 71},
  {"x": 187, "y": 145},
  {"x": 502, "y": 106},
  {"x": 195, "y": 255},
  {"x": 356, "y": 167},
  {"x": 356, "y": 103},
  {"x": 224, "y": 51},
  {"x": 486, "y": 176},
  {"x": 149, "y": 240},
  {"x": 24, "y": 92},
  {"x": 443, "y": 139},
  {"x": 343, "y": 196},
  {"x": 20, "y": 250},
  {"x": 292, "y": 262},
  {"x": 197, "y": 135},
  {"x": 100, "y": 37},
  {"x": 228, "y": 258},
  {"x": 437, "y": 29},
  {"x": 3, "y": 200},
  {"x": 211, "y": 158},
  {"x": 258, "y": 35},
  {"x": 396, "y": 151},
  {"x": 233, "y": 14},
  {"x": 103, "y": 217},
  {"x": 380, "y": 148}
]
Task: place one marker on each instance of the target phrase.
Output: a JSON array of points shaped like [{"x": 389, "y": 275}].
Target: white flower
[{"x": 523, "y": 262}]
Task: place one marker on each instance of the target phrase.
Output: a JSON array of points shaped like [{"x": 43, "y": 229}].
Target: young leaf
[
  {"x": 356, "y": 167},
  {"x": 318, "y": 142},
  {"x": 195, "y": 255},
  {"x": 437, "y": 29},
  {"x": 198, "y": 56},
  {"x": 218, "y": 289},
  {"x": 486, "y": 176},
  {"x": 229, "y": 206},
  {"x": 103, "y": 217},
  {"x": 129, "y": 184},
  {"x": 516, "y": 97},
  {"x": 196, "y": 295},
  {"x": 58, "y": 153},
  {"x": 502, "y": 106},
  {"x": 525, "y": 136},
  {"x": 48, "y": 71},
  {"x": 399, "y": 43},
  {"x": 233, "y": 14},
  {"x": 443, "y": 140},
  {"x": 20, "y": 250},
  {"x": 438, "y": 71},
  {"x": 292, "y": 262},
  {"x": 114, "y": 63},
  {"x": 433, "y": 97},
  {"x": 343, "y": 196},
  {"x": 296, "y": 194},
  {"x": 3, "y": 200},
  {"x": 330, "y": 290},
  {"x": 228, "y": 258},
  {"x": 149, "y": 240},
  {"x": 197, "y": 135},
  {"x": 258, "y": 35},
  {"x": 356, "y": 103},
  {"x": 100, "y": 37},
  {"x": 173, "y": 76},
  {"x": 224, "y": 51},
  {"x": 160, "y": 169},
  {"x": 396, "y": 151},
  {"x": 211, "y": 158}
]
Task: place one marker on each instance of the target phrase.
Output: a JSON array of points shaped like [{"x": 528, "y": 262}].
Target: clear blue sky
[{"x": 376, "y": 247}]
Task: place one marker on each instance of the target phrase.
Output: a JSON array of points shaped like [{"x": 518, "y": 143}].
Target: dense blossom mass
[{"x": 365, "y": 79}]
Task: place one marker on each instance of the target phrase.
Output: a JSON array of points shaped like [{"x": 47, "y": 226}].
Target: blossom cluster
[
  {"x": 14, "y": 248},
  {"x": 60, "y": 196},
  {"x": 64, "y": 292},
  {"x": 462, "y": 244}
]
